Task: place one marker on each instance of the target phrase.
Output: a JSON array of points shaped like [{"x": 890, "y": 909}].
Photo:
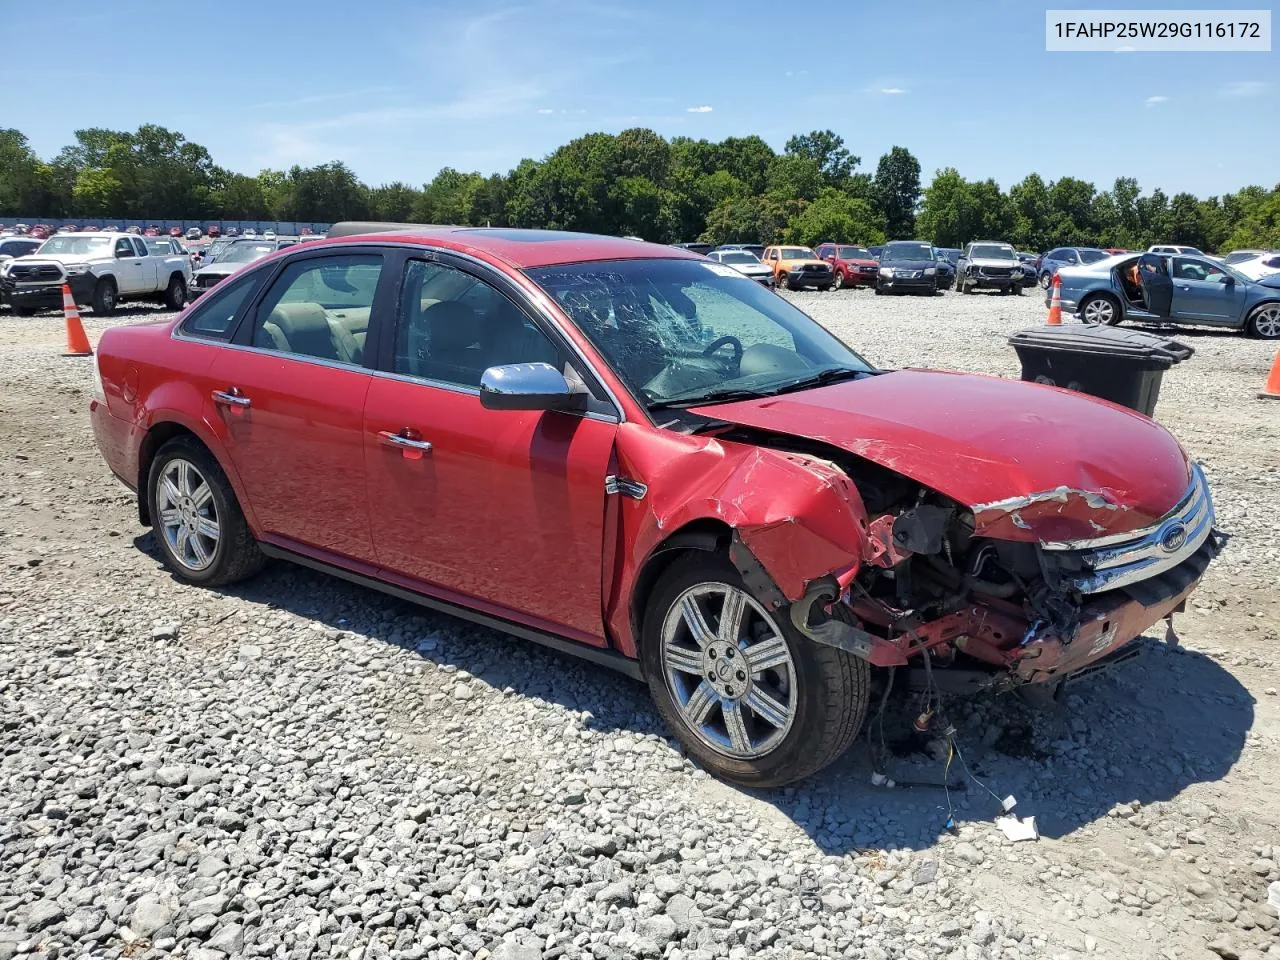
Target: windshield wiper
[
  {"x": 821, "y": 378},
  {"x": 715, "y": 396}
]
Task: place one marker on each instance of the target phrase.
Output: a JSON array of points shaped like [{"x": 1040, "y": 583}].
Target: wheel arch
[
  {"x": 161, "y": 430},
  {"x": 705, "y": 534},
  {"x": 1247, "y": 322}
]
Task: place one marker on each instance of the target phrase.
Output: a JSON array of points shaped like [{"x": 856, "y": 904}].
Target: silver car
[
  {"x": 1178, "y": 288},
  {"x": 745, "y": 263}
]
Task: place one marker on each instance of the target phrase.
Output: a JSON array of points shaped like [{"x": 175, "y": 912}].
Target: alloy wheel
[
  {"x": 188, "y": 514},
  {"x": 1098, "y": 311},
  {"x": 729, "y": 670},
  {"x": 1266, "y": 322}
]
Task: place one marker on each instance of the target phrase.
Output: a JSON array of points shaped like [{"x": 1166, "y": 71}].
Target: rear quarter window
[{"x": 215, "y": 317}]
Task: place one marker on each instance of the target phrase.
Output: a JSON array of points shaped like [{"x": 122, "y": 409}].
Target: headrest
[
  {"x": 450, "y": 325},
  {"x": 300, "y": 319}
]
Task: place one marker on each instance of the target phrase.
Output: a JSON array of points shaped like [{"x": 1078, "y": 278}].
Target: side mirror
[
  {"x": 528, "y": 386},
  {"x": 125, "y": 254}
]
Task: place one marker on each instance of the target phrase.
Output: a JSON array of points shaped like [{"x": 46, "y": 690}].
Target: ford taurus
[{"x": 639, "y": 455}]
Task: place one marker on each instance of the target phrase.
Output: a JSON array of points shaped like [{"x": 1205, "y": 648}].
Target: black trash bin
[{"x": 1123, "y": 366}]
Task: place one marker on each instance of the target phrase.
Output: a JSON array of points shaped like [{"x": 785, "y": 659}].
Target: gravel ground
[{"x": 301, "y": 768}]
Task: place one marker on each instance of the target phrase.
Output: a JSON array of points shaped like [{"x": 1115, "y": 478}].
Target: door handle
[
  {"x": 1183, "y": 286},
  {"x": 230, "y": 398},
  {"x": 410, "y": 446}
]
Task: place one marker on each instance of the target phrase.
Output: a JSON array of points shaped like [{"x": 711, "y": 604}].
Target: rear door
[
  {"x": 1157, "y": 286},
  {"x": 289, "y": 398},
  {"x": 502, "y": 510}
]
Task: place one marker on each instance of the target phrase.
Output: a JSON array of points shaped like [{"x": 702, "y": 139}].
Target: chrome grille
[{"x": 1123, "y": 559}]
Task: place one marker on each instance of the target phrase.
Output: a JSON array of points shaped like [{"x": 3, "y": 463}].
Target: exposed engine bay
[{"x": 988, "y": 613}]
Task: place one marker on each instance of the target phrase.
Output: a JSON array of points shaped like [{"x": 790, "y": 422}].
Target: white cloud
[
  {"x": 546, "y": 110},
  {"x": 892, "y": 91},
  {"x": 1246, "y": 88},
  {"x": 1157, "y": 99},
  {"x": 702, "y": 109}
]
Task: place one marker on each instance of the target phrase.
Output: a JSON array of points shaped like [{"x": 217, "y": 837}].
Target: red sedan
[
  {"x": 626, "y": 451},
  {"x": 853, "y": 266}
]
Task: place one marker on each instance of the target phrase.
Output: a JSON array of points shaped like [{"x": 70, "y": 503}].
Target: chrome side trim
[
  {"x": 1148, "y": 553},
  {"x": 625, "y": 486}
]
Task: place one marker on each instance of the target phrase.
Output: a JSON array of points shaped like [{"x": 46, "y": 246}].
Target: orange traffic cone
[
  {"x": 1055, "y": 305},
  {"x": 77, "y": 342},
  {"x": 1271, "y": 390}
]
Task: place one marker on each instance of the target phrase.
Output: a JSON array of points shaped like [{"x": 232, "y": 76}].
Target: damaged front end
[{"x": 941, "y": 579}]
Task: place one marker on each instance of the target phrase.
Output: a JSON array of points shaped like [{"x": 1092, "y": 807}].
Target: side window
[
  {"x": 139, "y": 247},
  {"x": 214, "y": 317},
  {"x": 1184, "y": 269},
  {"x": 320, "y": 308},
  {"x": 124, "y": 248},
  {"x": 451, "y": 327}
]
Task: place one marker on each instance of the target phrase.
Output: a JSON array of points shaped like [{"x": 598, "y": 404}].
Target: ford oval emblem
[{"x": 1174, "y": 538}]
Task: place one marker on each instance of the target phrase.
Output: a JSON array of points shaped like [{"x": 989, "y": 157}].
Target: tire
[
  {"x": 1046, "y": 281},
  {"x": 175, "y": 295},
  {"x": 959, "y": 284},
  {"x": 1101, "y": 309},
  {"x": 825, "y": 690},
  {"x": 823, "y": 288},
  {"x": 204, "y": 560},
  {"x": 23, "y": 311},
  {"x": 106, "y": 297},
  {"x": 1264, "y": 322},
  {"x": 838, "y": 282},
  {"x": 1016, "y": 289}
]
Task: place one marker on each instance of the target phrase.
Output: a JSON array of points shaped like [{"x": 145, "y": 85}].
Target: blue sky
[{"x": 397, "y": 89}]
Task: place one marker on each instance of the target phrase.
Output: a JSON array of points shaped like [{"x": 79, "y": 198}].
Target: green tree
[
  {"x": 835, "y": 163},
  {"x": 746, "y": 220},
  {"x": 1029, "y": 205},
  {"x": 896, "y": 190},
  {"x": 98, "y": 193},
  {"x": 393, "y": 202},
  {"x": 837, "y": 218}
]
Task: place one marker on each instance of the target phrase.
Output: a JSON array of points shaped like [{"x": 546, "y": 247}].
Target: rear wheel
[
  {"x": 1264, "y": 322},
  {"x": 1100, "y": 309},
  {"x": 175, "y": 295},
  {"x": 105, "y": 297},
  {"x": 198, "y": 523},
  {"x": 753, "y": 700}
]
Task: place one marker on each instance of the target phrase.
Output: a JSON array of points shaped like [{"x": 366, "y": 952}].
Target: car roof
[{"x": 520, "y": 248}]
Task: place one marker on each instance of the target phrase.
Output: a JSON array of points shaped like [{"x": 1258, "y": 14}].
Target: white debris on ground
[{"x": 301, "y": 768}]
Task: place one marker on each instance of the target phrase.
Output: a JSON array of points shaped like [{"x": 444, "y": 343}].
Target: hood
[
  {"x": 994, "y": 262},
  {"x": 860, "y": 262},
  {"x": 805, "y": 261},
  {"x": 1032, "y": 462},
  {"x": 55, "y": 257},
  {"x": 1271, "y": 280},
  {"x": 221, "y": 268},
  {"x": 907, "y": 264}
]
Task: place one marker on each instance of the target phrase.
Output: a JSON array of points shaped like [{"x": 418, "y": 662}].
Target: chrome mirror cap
[{"x": 528, "y": 386}]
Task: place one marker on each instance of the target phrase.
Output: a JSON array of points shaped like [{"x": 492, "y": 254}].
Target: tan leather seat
[{"x": 304, "y": 328}]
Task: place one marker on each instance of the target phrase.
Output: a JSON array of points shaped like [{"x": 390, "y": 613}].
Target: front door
[
  {"x": 291, "y": 402},
  {"x": 1203, "y": 291},
  {"x": 1157, "y": 288},
  {"x": 498, "y": 509},
  {"x": 128, "y": 266}
]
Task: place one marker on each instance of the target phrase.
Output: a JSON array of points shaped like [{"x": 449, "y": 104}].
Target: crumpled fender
[{"x": 801, "y": 517}]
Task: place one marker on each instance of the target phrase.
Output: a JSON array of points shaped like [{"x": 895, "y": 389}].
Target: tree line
[{"x": 637, "y": 183}]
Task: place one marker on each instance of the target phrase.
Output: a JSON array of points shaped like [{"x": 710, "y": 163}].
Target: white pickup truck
[{"x": 101, "y": 269}]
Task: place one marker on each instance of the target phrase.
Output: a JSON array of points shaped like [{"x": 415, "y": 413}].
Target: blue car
[
  {"x": 1060, "y": 257},
  {"x": 1163, "y": 287}
]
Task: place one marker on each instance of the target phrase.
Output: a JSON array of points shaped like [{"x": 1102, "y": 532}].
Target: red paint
[
  {"x": 507, "y": 512},
  {"x": 982, "y": 440}
]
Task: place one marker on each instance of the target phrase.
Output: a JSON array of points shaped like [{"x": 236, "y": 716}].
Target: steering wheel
[{"x": 734, "y": 342}]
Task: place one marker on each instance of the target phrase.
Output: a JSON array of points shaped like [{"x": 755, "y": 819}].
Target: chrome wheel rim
[
  {"x": 729, "y": 670},
  {"x": 839, "y": 280},
  {"x": 1045, "y": 280},
  {"x": 188, "y": 514},
  {"x": 1267, "y": 321},
  {"x": 1098, "y": 311}
]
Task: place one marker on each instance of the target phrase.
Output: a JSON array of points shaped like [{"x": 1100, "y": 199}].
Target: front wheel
[
  {"x": 106, "y": 297},
  {"x": 198, "y": 523},
  {"x": 752, "y": 700},
  {"x": 1099, "y": 310},
  {"x": 838, "y": 282},
  {"x": 1264, "y": 322},
  {"x": 1045, "y": 280}
]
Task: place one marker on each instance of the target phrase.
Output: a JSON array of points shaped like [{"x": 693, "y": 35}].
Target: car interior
[{"x": 322, "y": 310}]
